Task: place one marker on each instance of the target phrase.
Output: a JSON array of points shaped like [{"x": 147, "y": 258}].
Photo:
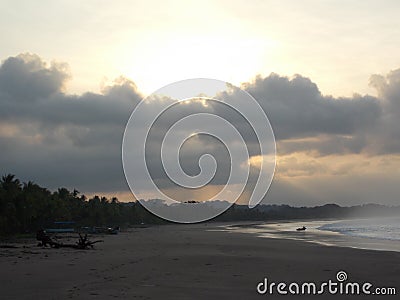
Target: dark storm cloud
[
  {"x": 59, "y": 139},
  {"x": 305, "y": 120},
  {"x": 296, "y": 108}
]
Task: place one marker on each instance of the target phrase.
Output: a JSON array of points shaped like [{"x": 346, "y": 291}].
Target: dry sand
[{"x": 185, "y": 262}]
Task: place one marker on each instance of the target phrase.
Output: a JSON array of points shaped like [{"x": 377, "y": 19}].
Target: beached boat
[{"x": 61, "y": 227}]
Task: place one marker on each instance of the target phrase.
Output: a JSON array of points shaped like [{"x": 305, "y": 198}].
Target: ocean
[
  {"x": 375, "y": 228},
  {"x": 373, "y": 233}
]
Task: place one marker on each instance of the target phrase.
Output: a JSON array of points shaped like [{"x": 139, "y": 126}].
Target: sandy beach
[{"x": 185, "y": 262}]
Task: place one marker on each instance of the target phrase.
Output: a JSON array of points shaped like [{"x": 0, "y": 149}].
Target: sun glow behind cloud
[{"x": 158, "y": 62}]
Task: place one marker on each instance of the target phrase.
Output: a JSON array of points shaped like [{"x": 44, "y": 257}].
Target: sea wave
[{"x": 377, "y": 228}]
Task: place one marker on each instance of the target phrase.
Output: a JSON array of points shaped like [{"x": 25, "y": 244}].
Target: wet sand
[{"x": 186, "y": 262}]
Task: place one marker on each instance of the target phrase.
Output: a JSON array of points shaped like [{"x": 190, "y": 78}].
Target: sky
[{"x": 325, "y": 72}]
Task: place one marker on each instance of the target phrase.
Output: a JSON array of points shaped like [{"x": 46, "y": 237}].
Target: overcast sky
[{"x": 325, "y": 72}]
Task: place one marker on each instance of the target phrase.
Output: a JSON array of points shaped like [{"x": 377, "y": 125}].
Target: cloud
[
  {"x": 27, "y": 78},
  {"x": 296, "y": 108},
  {"x": 59, "y": 139},
  {"x": 305, "y": 120},
  {"x": 386, "y": 136}
]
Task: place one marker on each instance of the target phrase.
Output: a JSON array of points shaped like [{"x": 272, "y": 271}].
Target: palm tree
[
  {"x": 10, "y": 183},
  {"x": 10, "y": 203}
]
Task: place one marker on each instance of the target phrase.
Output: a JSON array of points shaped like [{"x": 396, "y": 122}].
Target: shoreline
[
  {"x": 184, "y": 262},
  {"x": 313, "y": 234}
]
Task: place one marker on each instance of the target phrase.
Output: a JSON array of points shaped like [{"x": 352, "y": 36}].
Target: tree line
[{"x": 27, "y": 207}]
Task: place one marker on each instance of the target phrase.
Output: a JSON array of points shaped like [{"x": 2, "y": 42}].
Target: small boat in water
[{"x": 301, "y": 228}]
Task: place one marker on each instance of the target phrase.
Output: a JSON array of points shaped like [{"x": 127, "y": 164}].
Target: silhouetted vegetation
[{"x": 26, "y": 207}]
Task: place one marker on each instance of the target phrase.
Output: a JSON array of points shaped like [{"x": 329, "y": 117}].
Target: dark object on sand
[
  {"x": 44, "y": 239},
  {"x": 83, "y": 242},
  {"x": 301, "y": 228}
]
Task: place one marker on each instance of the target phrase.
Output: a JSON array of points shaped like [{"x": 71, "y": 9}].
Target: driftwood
[{"x": 83, "y": 242}]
